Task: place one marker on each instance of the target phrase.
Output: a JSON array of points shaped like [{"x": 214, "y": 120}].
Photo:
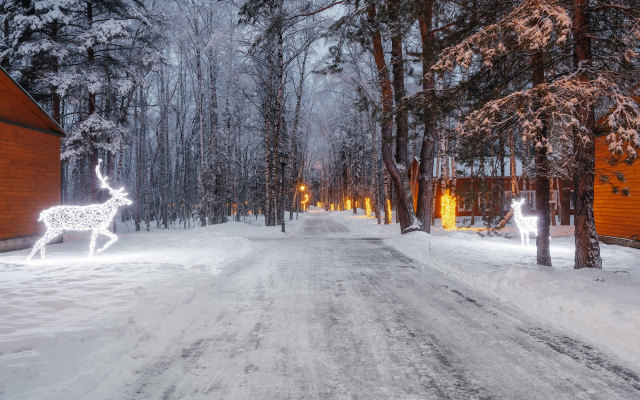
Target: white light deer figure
[
  {"x": 525, "y": 224},
  {"x": 94, "y": 218}
]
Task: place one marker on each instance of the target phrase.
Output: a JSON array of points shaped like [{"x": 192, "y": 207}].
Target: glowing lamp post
[
  {"x": 283, "y": 158},
  {"x": 298, "y": 207}
]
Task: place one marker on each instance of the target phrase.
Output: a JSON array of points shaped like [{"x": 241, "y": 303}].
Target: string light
[
  {"x": 525, "y": 224},
  {"x": 388, "y": 211},
  {"x": 367, "y": 206},
  {"x": 448, "y": 210},
  {"x": 95, "y": 218}
]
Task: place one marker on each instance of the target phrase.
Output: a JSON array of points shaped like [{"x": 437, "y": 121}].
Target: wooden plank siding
[
  {"x": 29, "y": 178},
  {"x": 616, "y": 215}
]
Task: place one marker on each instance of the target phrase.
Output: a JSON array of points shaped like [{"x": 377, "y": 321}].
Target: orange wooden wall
[
  {"x": 617, "y": 215},
  {"x": 29, "y": 178}
]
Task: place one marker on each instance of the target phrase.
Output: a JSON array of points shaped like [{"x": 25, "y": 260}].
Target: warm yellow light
[
  {"x": 367, "y": 206},
  {"x": 319, "y": 205},
  {"x": 348, "y": 206},
  {"x": 448, "y": 210},
  {"x": 332, "y": 207},
  {"x": 301, "y": 187},
  {"x": 388, "y": 211}
]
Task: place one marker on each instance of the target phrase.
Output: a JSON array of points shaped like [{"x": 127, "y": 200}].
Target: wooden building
[
  {"x": 29, "y": 165},
  {"x": 490, "y": 196},
  {"x": 617, "y": 215}
]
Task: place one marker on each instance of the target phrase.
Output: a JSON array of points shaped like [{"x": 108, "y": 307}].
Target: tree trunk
[
  {"x": 565, "y": 203},
  {"x": 552, "y": 204},
  {"x": 94, "y": 183},
  {"x": 294, "y": 129},
  {"x": 426, "y": 193},
  {"x": 139, "y": 157},
  {"x": 542, "y": 173},
  {"x": 397, "y": 172},
  {"x": 587, "y": 246},
  {"x": 375, "y": 170},
  {"x": 513, "y": 179}
]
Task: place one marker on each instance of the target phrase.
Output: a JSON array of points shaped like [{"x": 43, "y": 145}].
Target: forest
[{"x": 208, "y": 111}]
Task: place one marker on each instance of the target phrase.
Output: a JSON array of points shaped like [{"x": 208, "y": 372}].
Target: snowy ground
[
  {"x": 161, "y": 313},
  {"x": 602, "y": 306},
  {"x": 70, "y": 326}
]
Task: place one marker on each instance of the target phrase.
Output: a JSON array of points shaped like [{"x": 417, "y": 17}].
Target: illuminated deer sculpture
[
  {"x": 94, "y": 218},
  {"x": 525, "y": 224}
]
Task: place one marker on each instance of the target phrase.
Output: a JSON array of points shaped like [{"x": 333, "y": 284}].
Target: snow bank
[
  {"x": 602, "y": 306},
  {"x": 72, "y": 327}
]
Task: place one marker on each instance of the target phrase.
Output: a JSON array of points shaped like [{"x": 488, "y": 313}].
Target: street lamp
[
  {"x": 283, "y": 158},
  {"x": 295, "y": 201}
]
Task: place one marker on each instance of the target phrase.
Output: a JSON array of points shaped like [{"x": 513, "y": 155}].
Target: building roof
[{"x": 17, "y": 107}]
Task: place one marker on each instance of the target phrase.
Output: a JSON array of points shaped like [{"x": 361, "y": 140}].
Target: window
[
  {"x": 483, "y": 204},
  {"x": 506, "y": 200},
  {"x": 464, "y": 204},
  {"x": 531, "y": 199},
  {"x": 572, "y": 200}
]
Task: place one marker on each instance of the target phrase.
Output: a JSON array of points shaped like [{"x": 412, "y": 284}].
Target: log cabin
[
  {"x": 29, "y": 165},
  {"x": 472, "y": 200}
]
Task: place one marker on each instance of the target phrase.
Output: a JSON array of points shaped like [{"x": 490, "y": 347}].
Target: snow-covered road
[{"x": 327, "y": 314}]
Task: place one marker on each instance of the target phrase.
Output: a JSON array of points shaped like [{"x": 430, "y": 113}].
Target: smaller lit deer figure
[
  {"x": 94, "y": 218},
  {"x": 525, "y": 224}
]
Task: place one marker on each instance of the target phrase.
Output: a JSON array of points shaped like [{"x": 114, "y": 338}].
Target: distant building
[
  {"x": 490, "y": 196},
  {"x": 29, "y": 165}
]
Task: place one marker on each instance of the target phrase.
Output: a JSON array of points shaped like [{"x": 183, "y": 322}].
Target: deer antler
[{"x": 102, "y": 179}]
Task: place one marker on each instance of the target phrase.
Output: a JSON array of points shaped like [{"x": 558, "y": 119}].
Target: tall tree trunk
[
  {"x": 542, "y": 173},
  {"x": 139, "y": 156},
  {"x": 163, "y": 151},
  {"x": 94, "y": 191},
  {"x": 398, "y": 172},
  {"x": 295, "y": 162},
  {"x": 513, "y": 178},
  {"x": 426, "y": 193},
  {"x": 565, "y": 203},
  {"x": 217, "y": 214},
  {"x": 587, "y": 246},
  {"x": 552, "y": 204},
  {"x": 375, "y": 169},
  {"x": 201, "y": 142},
  {"x": 279, "y": 110}
]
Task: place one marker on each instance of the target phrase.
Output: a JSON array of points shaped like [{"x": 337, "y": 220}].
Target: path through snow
[{"x": 331, "y": 315}]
